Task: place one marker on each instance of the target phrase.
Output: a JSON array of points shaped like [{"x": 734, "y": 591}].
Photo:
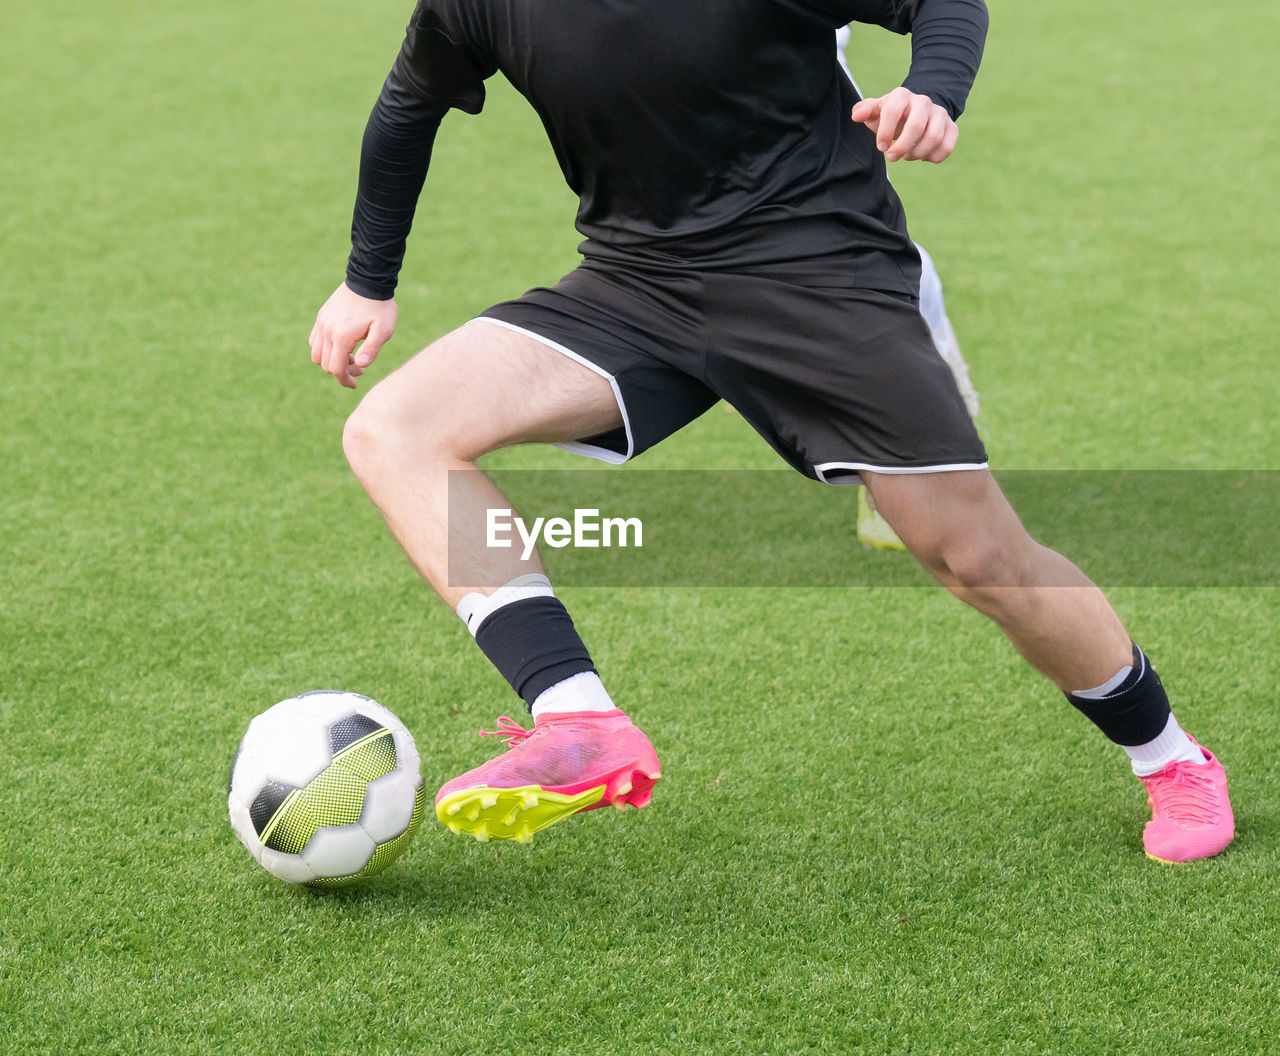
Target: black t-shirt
[{"x": 713, "y": 132}]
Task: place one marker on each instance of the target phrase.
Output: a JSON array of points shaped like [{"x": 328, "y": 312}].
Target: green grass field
[{"x": 877, "y": 831}]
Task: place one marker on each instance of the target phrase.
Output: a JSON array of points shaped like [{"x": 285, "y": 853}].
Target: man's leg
[
  {"x": 481, "y": 388},
  {"x": 962, "y": 529}
]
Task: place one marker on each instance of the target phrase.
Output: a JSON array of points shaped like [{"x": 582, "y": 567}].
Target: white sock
[
  {"x": 1106, "y": 689},
  {"x": 1171, "y": 746},
  {"x": 581, "y": 692},
  {"x": 474, "y": 608}
]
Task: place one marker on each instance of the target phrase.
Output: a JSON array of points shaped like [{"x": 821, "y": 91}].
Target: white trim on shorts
[
  {"x": 850, "y": 476},
  {"x": 577, "y": 447}
]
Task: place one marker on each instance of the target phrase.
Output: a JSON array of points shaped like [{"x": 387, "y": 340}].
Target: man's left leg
[{"x": 961, "y": 528}]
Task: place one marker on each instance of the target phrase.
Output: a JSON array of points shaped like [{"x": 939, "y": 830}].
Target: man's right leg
[{"x": 478, "y": 389}]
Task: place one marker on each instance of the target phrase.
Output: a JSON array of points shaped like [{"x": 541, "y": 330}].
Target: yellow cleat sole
[
  {"x": 874, "y": 532},
  {"x": 510, "y": 813}
]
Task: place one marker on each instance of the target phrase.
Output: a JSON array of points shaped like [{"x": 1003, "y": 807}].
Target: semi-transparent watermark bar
[{"x": 648, "y": 528}]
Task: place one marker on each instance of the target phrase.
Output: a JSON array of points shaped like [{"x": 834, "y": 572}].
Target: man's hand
[
  {"x": 343, "y": 322},
  {"x": 908, "y": 126}
]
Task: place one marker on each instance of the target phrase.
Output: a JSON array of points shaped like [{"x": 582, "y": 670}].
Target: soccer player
[
  {"x": 874, "y": 530},
  {"x": 741, "y": 242}
]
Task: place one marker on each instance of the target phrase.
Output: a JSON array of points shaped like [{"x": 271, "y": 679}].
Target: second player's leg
[{"x": 874, "y": 530}]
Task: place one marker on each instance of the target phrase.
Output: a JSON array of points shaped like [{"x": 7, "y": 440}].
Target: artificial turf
[{"x": 877, "y": 831}]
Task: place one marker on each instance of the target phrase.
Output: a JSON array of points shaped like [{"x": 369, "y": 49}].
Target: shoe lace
[
  {"x": 1186, "y": 796},
  {"x": 510, "y": 729}
]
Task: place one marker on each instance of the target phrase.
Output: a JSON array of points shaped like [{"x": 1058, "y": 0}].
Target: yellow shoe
[{"x": 873, "y": 530}]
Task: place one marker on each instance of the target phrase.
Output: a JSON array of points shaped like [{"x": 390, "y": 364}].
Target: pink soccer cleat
[
  {"x": 1190, "y": 812},
  {"x": 569, "y": 762}
]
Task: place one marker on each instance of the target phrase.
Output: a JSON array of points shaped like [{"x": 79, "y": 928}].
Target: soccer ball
[{"x": 325, "y": 789}]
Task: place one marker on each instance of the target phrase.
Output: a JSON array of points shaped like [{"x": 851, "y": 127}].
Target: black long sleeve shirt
[{"x": 713, "y": 132}]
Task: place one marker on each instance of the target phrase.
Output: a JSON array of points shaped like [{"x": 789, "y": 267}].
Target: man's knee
[
  {"x": 969, "y": 564},
  {"x": 473, "y": 391},
  {"x": 393, "y": 422},
  {"x": 959, "y": 527},
  {"x": 362, "y": 437}
]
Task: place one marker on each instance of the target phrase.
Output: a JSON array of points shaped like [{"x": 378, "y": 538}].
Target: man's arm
[
  {"x": 431, "y": 75},
  {"x": 394, "y": 157},
  {"x": 947, "y": 38},
  {"x": 918, "y": 120}
]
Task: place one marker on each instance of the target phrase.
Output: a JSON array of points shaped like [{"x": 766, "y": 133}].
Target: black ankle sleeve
[
  {"x": 534, "y": 645},
  {"x": 1136, "y": 712}
]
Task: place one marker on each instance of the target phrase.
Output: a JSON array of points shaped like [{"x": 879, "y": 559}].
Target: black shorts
[{"x": 837, "y": 379}]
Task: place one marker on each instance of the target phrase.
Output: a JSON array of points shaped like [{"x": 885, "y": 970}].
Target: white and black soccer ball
[{"x": 325, "y": 789}]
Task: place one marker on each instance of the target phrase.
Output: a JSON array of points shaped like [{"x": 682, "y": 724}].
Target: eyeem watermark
[
  {"x": 587, "y": 531},
  {"x": 775, "y": 528}
]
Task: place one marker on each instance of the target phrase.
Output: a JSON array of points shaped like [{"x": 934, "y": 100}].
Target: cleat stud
[
  {"x": 643, "y": 790},
  {"x": 488, "y": 799}
]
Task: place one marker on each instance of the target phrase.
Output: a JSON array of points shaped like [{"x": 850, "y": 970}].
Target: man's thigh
[{"x": 484, "y": 386}]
